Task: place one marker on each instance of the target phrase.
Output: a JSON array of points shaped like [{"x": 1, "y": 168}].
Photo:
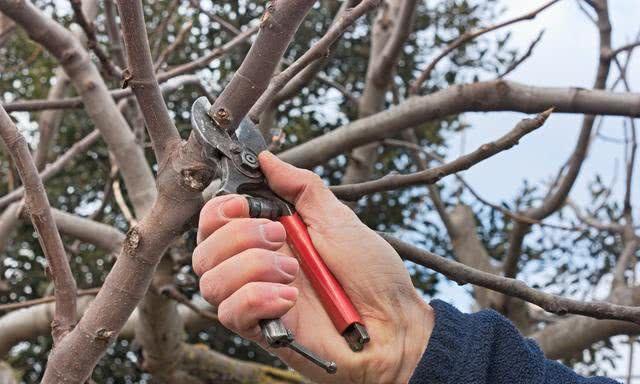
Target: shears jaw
[{"x": 235, "y": 155}]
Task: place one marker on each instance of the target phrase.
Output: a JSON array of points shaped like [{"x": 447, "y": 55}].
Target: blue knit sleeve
[{"x": 485, "y": 348}]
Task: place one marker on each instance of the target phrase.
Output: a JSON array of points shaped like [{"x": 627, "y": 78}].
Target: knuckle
[
  {"x": 313, "y": 179},
  {"x": 253, "y": 297},
  {"x": 266, "y": 261},
  {"x": 225, "y": 316},
  {"x": 211, "y": 291},
  {"x": 197, "y": 261}
]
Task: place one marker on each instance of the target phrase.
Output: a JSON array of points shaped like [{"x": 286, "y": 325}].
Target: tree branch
[
  {"x": 91, "y": 87},
  {"x": 498, "y": 95},
  {"x": 524, "y": 56},
  {"x": 44, "y": 300},
  {"x": 556, "y": 196},
  {"x": 384, "y": 64},
  {"x": 92, "y": 42},
  {"x": 58, "y": 165},
  {"x": 42, "y": 219},
  {"x": 164, "y": 55},
  {"x": 317, "y": 51},
  {"x": 180, "y": 183},
  {"x": 113, "y": 31},
  {"x": 93, "y": 232},
  {"x": 277, "y": 27},
  {"x": 465, "y": 38},
  {"x": 463, "y": 274},
  {"x": 432, "y": 175},
  {"x": 140, "y": 75}
]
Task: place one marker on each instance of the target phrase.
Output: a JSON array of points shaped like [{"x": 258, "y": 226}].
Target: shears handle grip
[{"x": 334, "y": 299}]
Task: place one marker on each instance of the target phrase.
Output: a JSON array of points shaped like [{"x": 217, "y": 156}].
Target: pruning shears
[{"x": 235, "y": 156}]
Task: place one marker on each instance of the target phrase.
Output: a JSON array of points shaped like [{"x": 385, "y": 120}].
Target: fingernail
[
  {"x": 288, "y": 293},
  {"x": 288, "y": 265},
  {"x": 232, "y": 208},
  {"x": 273, "y": 232}
]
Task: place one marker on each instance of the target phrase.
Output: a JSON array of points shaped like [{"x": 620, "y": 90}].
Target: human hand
[{"x": 249, "y": 273}]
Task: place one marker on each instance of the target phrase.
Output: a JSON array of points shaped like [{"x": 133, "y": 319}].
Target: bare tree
[{"x": 156, "y": 178}]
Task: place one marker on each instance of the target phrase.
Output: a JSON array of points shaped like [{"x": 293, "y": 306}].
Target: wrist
[
  {"x": 397, "y": 351},
  {"x": 416, "y": 339}
]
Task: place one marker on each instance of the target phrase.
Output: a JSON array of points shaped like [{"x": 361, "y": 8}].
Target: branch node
[
  {"x": 222, "y": 117},
  {"x": 132, "y": 241},
  {"x": 196, "y": 179},
  {"x": 126, "y": 77},
  {"x": 90, "y": 85},
  {"x": 104, "y": 334}
]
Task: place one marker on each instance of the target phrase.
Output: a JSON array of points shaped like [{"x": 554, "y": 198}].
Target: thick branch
[
  {"x": 384, "y": 64},
  {"x": 432, "y": 175},
  {"x": 299, "y": 81},
  {"x": 101, "y": 235},
  {"x": 568, "y": 337},
  {"x": 496, "y": 95},
  {"x": 42, "y": 219},
  {"x": 74, "y": 358},
  {"x": 28, "y": 323},
  {"x": 277, "y": 27},
  {"x": 140, "y": 75},
  {"x": 463, "y": 274}
]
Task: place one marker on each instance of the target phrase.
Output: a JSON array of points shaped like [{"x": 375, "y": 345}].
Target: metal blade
[{"x": 250, "y": 136}]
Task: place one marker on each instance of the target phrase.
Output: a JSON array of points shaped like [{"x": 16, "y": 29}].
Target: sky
[{"x": 566, "y": 57}]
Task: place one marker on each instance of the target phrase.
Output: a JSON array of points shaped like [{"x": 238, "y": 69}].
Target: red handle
[{"x": 335, "y": 300}]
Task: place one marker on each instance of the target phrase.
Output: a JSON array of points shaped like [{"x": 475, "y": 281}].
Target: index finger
[{"x": 218, "y": 212}]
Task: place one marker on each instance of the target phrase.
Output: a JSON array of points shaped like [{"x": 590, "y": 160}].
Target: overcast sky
[{"x": 567, "y": 56}]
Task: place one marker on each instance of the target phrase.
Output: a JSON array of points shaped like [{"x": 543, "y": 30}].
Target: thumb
[{"x": 301, "y": 187}]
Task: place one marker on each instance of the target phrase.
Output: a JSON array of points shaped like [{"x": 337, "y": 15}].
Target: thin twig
[
  {"x": 54, "y": 168},
  {"x": 224, "y": 23},
  {"x": 624, "y": 48},
  {"x": 119, "y": 197},
  {"x": 173, "y": 293},
  {"x": 432, "y": 175},
  {"x": 160, "y": 30},
  {"x": 524, "y": 57},
  {"x": 44, "y": 300},
  {"x": 468, "y": 36},
  {"x": 512, "y": 215},
  {"x": 164, "y": 55},
  {"x": 317, "y": 51},
  {"x": 40, "y": 212},
  {"x": 92, "y": 42}
]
